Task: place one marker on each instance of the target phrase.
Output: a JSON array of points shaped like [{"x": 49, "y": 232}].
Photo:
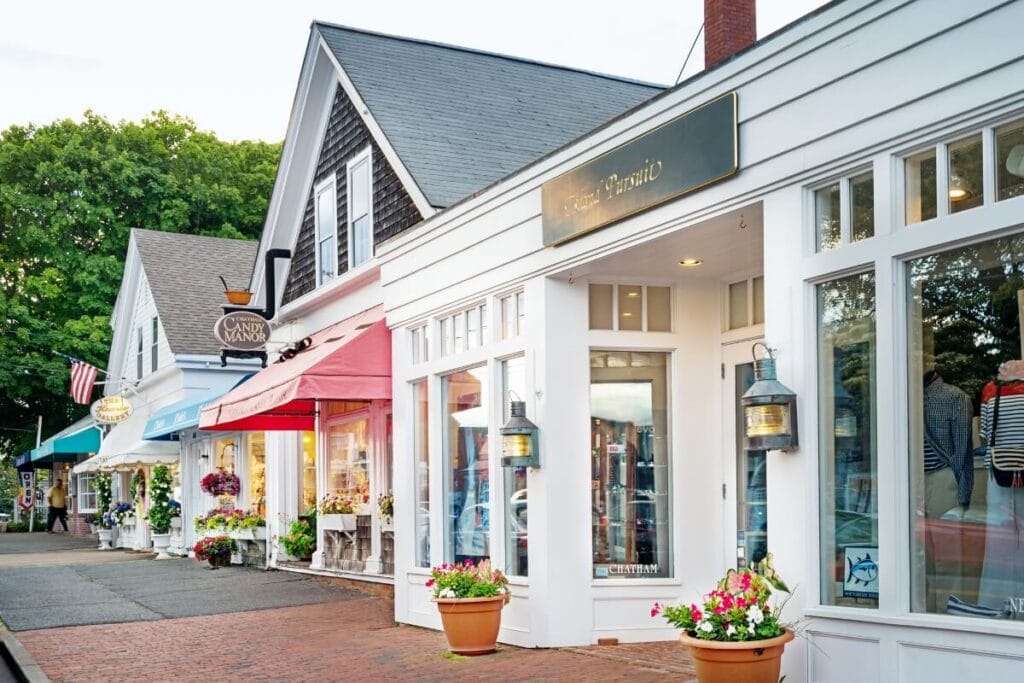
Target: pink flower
[
  {"x": 469, "y": 563},
  {"x": 430, "y": 583},
  {"x": 656, "y": 610},
  {"x": 695, "y": 613}
]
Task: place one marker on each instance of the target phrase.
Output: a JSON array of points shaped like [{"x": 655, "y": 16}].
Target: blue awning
[
  {"x": 65, "y": 446},
  {"x": 181, "y": 415}
]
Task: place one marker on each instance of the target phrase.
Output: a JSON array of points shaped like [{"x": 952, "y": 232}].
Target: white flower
[
  {"x": 705, "y": 626},
  {"x": 731, "y": 631},
  {"x": 755, "y": 615},
  {"x": 447, "y": 593}
]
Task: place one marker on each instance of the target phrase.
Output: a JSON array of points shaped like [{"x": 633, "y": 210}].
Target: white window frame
[
  {"x": 84, "y": 491},
  {"x": 329, "y": 184},
  {"x": 139, "y": 348},
  {"x": 845, "y": 182},
  {"x": 154, "y": 345},
  {"x": 367, "y": 156}
]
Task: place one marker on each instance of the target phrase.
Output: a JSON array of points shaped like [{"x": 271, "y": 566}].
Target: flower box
[
  {"x": 255, "y": 534},
  {"x": 337, "y": 522},
  {"x": 388, "y": 525}
]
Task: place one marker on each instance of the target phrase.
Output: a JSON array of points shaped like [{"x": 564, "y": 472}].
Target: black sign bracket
[{"x": 268, "y": 311}]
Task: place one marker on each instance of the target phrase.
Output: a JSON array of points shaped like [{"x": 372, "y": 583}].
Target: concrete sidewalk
[{"x": 41, "y": 549}]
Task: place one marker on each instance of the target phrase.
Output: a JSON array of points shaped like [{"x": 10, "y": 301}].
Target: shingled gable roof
[
  {"x": 182, "y": 272},
  {"x": 460, "y": 119}
]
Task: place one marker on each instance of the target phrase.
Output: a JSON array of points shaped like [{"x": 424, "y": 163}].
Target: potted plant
[
  {"x": 470, "y": 598},
  {"x": 735, "y": 636},
  {"x": 300, "y": 541},
  {"x": 159, "y": 514},
  {"x": 386, "y": 507},
  {"x": 214, "y": 549},
  {"x": 337, "y": 512},
  {"x": 221, "y": 483},
  {"x": 104, "y": 497}
]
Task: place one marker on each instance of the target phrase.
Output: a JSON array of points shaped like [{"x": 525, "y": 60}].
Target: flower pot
[
  {"x": 752, "y": 661},
  {"x": 106, "y": 535},
  {"x": 218, "y": 561},
  {"x": 471, "y": 624},
  {"x": 160, "y": 544},
  {"x": 337, "y": 522}
]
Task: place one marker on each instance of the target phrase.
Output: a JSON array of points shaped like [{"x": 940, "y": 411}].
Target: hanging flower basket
[{"x": 221, "y": 484}]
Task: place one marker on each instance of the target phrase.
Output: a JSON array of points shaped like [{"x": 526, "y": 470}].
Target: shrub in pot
[
  {"x": 300, "y": 541},
  {"x": 470, "y": 598},
  {"x": 159, "y": 514}
]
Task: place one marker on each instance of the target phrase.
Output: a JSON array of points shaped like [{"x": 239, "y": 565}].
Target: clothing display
[
  {"x": 1002, "y": 425},
  {"x": 947, "y": 436}
]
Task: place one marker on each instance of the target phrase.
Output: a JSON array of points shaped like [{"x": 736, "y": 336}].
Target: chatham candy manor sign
[{"x": 242, "y": 331}]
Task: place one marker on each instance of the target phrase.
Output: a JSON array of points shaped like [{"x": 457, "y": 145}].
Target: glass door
[{"x": 745, "y": 482}]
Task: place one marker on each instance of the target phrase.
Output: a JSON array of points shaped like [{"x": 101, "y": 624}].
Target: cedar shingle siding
[{"x": 393, "y": 208}]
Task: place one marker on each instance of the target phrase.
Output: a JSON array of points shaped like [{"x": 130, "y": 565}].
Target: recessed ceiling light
[
  {"x": 690, "y": 262},
  {"x": 633, "y": 294},
  {"x": 627, "y": 314}
]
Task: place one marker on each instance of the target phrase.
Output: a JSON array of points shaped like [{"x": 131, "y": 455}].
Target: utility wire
[{"x": 687, "y": 60}]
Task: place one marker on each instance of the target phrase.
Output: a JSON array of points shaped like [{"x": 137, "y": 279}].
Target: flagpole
[{"x": 78, "y": 360}]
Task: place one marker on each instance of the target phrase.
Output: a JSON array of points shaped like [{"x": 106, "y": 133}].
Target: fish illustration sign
[{"x": 861, "y": 576}]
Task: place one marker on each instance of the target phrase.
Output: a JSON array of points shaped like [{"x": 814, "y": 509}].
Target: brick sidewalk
[{"x": 335, "y": 641}]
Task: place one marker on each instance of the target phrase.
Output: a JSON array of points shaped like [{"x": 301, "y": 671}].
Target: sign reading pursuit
[
  {"x": 242, "y": 331},
  {"x": 683, "y": 155}
]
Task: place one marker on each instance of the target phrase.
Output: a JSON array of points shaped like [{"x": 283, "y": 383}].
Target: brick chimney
[{"x": 729, "y": 26}]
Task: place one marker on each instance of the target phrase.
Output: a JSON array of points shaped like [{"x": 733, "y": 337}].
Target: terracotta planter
[
  {"x": 471, "y": 624},
  {"x": 753, "y": 661}
]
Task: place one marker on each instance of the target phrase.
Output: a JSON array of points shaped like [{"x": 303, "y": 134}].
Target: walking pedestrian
[{"x": 57, "y": 502}]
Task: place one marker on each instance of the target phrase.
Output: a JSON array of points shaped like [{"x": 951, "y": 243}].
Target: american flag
[{"x": 83, "y": 377}]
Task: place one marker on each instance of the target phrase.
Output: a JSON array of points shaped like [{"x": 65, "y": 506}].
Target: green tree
[{"x": 70, "y": 192}]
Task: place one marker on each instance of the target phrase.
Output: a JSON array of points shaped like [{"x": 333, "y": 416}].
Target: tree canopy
[{"x": 70, "y": 192}]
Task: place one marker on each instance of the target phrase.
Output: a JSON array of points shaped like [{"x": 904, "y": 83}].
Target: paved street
[{"x": 177, "y": 620}]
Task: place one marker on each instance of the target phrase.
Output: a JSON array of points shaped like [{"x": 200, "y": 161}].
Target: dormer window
[
  {"x": 326, "y": 231},
  {"x": 360, "y": 208}
]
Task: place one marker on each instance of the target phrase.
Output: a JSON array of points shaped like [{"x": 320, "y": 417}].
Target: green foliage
[
  {"x": 159, "y": 500},
  {"x": 300, "y": 541},
  {"x": 104, "y": 495},
  {"x": 70, "y": 192},
  {"x": 467, "y": 580},
  {"x": 17, "y": 527}
]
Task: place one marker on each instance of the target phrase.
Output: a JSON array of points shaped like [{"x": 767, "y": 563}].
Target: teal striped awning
[{"x": 81, "y": 438}]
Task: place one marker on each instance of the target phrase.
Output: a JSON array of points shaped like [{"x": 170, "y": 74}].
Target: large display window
[
  {"x": 308, "y": 471},
  {"x": 347, "y": 462},
  {"x": 467, "y": 463},
  {"x": 848, "y": 441},
  {"x": 966, "y": 393},
  {"x": 257, "y": 447},
  {"x": 421, "y": 464},
  {"x": 517, "y": 560},
  {"x": 630, "y": 477}
]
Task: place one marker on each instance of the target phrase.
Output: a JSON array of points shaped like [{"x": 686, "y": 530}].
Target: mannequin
[
  {"x": 948, "y": 479},
  {"x": 1002, "y": 575}
]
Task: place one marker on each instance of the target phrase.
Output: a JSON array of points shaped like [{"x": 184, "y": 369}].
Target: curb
[{"x": 19, "y": 658}]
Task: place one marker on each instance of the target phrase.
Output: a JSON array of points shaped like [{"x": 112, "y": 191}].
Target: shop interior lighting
[{"x": 958, "y": 191}]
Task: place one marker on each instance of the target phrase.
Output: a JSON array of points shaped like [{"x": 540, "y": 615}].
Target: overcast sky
[{"x": 233, "y": 66}]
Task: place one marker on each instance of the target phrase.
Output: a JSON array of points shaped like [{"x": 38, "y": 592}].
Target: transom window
[
  {"x": 630, "y": 307},
  {"x": 745, "y": 303},
  {"x": 844, "y": 211},
  {"x": 418, "y": 339},
  {"x": 464, "y": 330}
]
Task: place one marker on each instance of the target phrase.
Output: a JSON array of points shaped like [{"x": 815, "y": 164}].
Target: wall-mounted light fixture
[
  {"x": 519, "y": 442},
  {"x": 204, "y": 455},
  {"x": 769, "y": 408}
]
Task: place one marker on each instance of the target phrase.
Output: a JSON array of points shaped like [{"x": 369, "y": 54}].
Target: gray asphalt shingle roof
[
  {"x": 461, "y": 119},
  {"x": 182, "y": 272}
]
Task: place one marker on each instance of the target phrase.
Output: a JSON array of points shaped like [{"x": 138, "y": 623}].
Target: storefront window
[
  {"x": 1010, "y": 160},
  {"x": 308, "y": 471},
  {"x": 920, "y": 180},
  {"x": 848, "y": 450},
  {"x": 631, "y": 307},
  {"x": 258, "y": 473},
  {"x": 965, "y": 168},
  {"x": 513, "y": 374},
  {"x": 347, "y": 463},
  {"x": 224, "y": 454},
  {"x": 421, "y": 466},
  {"x": 967, "y": 430},
  {"x": 629, "y": 464},
  {"x": 467, "y": 477},
  {"x": 86, "y": 493},
  {"x": 826, "y": 217}
]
